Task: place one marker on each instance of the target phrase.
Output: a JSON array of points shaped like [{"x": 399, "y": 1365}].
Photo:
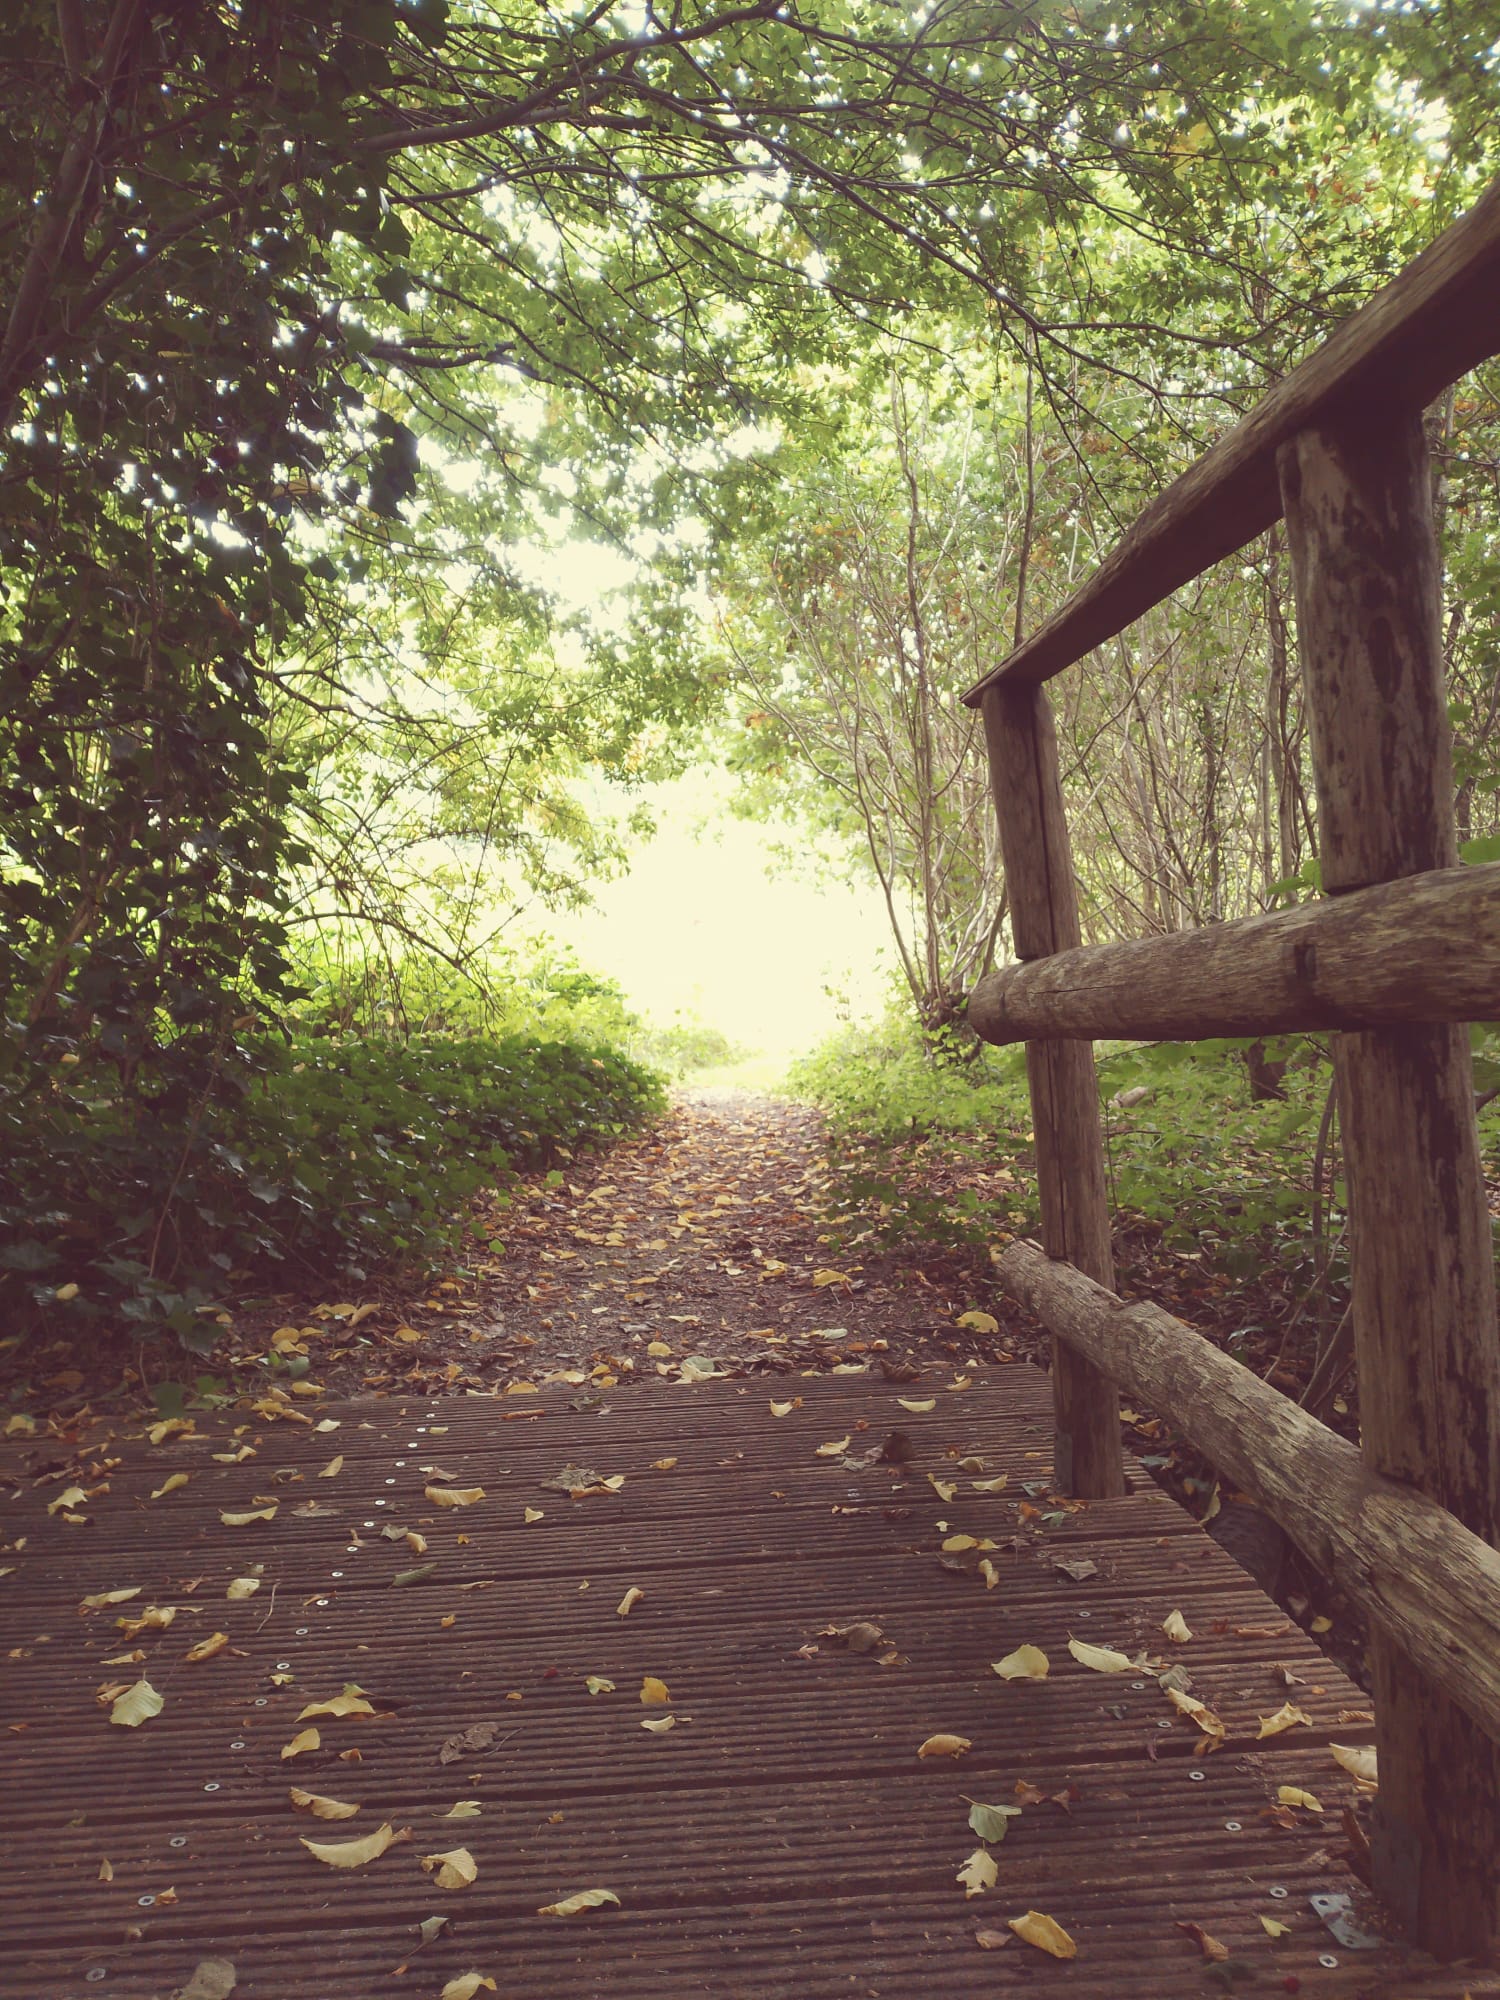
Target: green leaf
[{"x": 992, "y": 1822}]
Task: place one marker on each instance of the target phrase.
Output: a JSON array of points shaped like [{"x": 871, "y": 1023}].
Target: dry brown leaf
[
  {"x": 1044, "y": 1933},
  {"x": 351, "y": 1853},
  {"x": 319, "y": 1807},
  {"x": 944, "y": 1745},
  {"x": 1209, "y": 1946}
]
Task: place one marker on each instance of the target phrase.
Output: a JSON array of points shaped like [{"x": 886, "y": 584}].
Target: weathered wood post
[
  {"x": 1366, "y": 566},
  {"x": 1022, "y": 746}
]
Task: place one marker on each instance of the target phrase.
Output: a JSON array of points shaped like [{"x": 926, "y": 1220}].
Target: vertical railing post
[
  {"x": 1368, "y": 587},
  {"x": 1022, "y": 746}
]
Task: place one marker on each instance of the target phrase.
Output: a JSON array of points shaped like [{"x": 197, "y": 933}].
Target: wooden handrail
[
  {"x": 1431, "y": 1585},
  {"x": 1433, "y": 322},
  {"x": 1425, "y": 948}
]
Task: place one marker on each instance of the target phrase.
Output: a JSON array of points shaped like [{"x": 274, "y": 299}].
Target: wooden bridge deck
[{"x": 783, "y": 1838}]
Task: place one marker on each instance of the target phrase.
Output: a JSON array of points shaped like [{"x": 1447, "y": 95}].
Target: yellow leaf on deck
[
  {"x": 241, "y": 1588},
  {"x": 522, "y": 1389},
  {"x": 155, "y": 1618},
  {"x": 73, "y": 1497},
  {"x": 171, "y": 1427},
  {"x": 978, "y": 1873},
  {"x": 629, "y": 1601},
  {"x": 944, "y": 1745},
  {"x": 104, "y": 1598},
  {"x": 466, "y": 1986},
  {"x": 453, "y": 1496},
  {"x": 206, "y": 1648},
  {"x": 662, "y": 1464},
  {"x": 252, "y": 1514},
  {"x": 989, "y": 1572},
  {"x": 836, "y": 1449},
  {"x": 333, "y": 1468},
  {"x": 1176, "y": 1628},
  {"x": 1026, "y": 1663},
  {"x": 305, "y": 1739},
  {"x": 351, "y": 1853},
  {"x": 1286, "y": 1717},
  {"x": 454, "y": 1870},
  {"x": 661, "y": 1725},
  {"x": 171, "y": 1484},
  {"x": 1046, "y": 1935},
  {"x": 654, "y": 1692},
  {"x": 1293, "y": 1795},
  {"x": 1196, "y": 1711},
  {"x": 106, "y": 1871},
  {"x": 1358, "y": 1760},
  {"x": 1101, "y": 1659},
  {"x": 416, "y": 1542},
  {"x": 997, "y": 1485},
  {"x": 943, "y": 1488},
  {"x": 318, "y": 1806},
  {"x": 916, "y": 1406},
  {"x": 581, "y": 1899},
  {"x": 785, "y": 1409},
  {"x": 1211, "y": 1948},
  {"x": 464, "y": 1809},
  {"x": 347, "y": 1703},
  {"x": 136, "y": 1705},
  {"x": 1272, "y": 1928}
]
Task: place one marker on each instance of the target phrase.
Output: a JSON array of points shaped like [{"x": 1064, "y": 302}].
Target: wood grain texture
[
  {"x": 1420, "y": 950},
  {"x": 1365, "y": 565},
  {"x": 1437, "y": 319},
  {"x": 1429, "y": 1583},
  {"x": 1022, "y": 748}
]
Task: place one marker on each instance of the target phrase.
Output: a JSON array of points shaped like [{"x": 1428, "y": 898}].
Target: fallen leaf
[
  {"x": 253, "y": 1514},
  {"x": 455, "y": 1870},
  {"x": 350, "y": 1702},
  {"x": 785, "y": 1409},
  {"x": 207, "y": 1648},
  {"x": 943, "y": 1488},
  {"x": 1176, "y": 1628},
  {"x": 989, "y": 1572},
  {"x": 423, "y": 1573},
  {"x": 654, "y": 1692},
  {"x": 834, "y": 1450},
  {"x": 171, "y": 1484},
  {"x": 136, "y": 1705},
  {"x": 453, "y": 1496},
  {"x": 916, "y": 1406},
  {"x": 333, "y": 1468},
  {"x": 1358, "y": 1760},
  {"x": 1026, "y": 1663},
  {"x": 829, "y": 1277},
  {"x": 319, "y": 1807},
  {"x": 1078, "y": 1569},
  {"x": 241, "y": 1588},
  {"x": 997, "y": 1485},
  {"x": 991, "y": 1822},
  {"x": 73, "y": 1497},
  {"x": 213, "y": 1978},
  {"x": 662, "y": 1464},
  {"x": 1209, "y": 1946},
  {"x": 155, "y": 1618},
  {"x": 581, "y": 1899},
  {"x": 466, "y": 1986},
  {"x": 305, "y": 1739},
  {"x": 1293, "y": 1795},
  {"x": 1274, "y": 1929},
  {"x": 171, "y": 1427},
  {"x": 978, "y": 1873},
  {"x": 464, "y": 1809},
  {"x": 478, "y": 1736},
  {"x": 351, "y": 1853},
  {"x": 943, "y": 1745},
  {"x": 1196, "y": 1711},
  {"x": 1286, "y": 1717},
  {"x": 661, "y": 1725},
  {"x": 957, "y": 1544},
  {"x": 992, "y": 1940},
  {"x": 104, "y": 1598},
  {"x": 1101, "y": 1659},
  {"x": 415, "y": 1542},
  {"x": 1046, "y": 1935}
]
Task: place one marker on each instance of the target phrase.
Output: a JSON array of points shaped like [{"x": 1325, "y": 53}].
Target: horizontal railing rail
[
  {"x": 1422, "y": 949},
  {"x": 1435, "y": 321}
]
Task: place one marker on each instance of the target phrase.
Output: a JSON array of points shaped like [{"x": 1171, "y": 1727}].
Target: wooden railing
[{"x": 1404, "y": 947}]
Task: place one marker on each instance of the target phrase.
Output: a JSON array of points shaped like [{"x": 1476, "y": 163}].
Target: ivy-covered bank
[{"x": 316, "y": 1157}]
